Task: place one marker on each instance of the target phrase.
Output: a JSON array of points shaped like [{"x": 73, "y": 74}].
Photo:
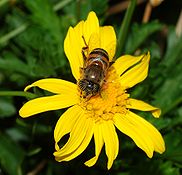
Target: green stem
[
  {"x": 172, "y": 106},
  {"x": 13, "y": 33},
  {"x": 61, "y": 4},
  {"x": 2, "y": 2},
  {"x": 18, "y": 93},
  {"x": 124, "y": 27}
]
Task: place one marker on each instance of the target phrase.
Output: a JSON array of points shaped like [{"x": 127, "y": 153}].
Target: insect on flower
[{"x": 94, "y": 71}]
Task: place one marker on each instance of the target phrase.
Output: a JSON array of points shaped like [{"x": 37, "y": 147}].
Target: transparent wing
[
  {"x": 94, "y": 42},
  {"x": 108, "y": 40},
  {"x": 111, "y": 49}
]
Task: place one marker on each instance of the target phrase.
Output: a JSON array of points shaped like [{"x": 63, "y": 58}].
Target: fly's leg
[{"x": 84, "y": 49}]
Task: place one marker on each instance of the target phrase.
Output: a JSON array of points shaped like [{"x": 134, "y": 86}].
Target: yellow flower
[{"x": 99, "y": 115}]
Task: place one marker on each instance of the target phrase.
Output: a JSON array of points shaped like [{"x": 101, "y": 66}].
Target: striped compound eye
[
  {"x": 88, "y": 88},
  {"x": 96, "y": 88},
  {"x": 83, "y": 84}
]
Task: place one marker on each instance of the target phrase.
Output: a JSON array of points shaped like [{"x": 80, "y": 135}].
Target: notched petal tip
[
  {"x": 91, "y": 162},
  {"x": 156, "y": 113},
  {"x": 143, "y": 106},
  {"x": 146, "y": 57},
  {"x": 149, "y": 155},
  {"x": 145, "y": 135},
  {"x": 162, "y": 148},
  {"x": 57, "y": 157},
  {"x": 28, "y": 87},
  {"x": 137, "y": 73}
]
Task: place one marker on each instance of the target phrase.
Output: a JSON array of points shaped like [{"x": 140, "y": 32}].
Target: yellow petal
[
  {"x": 124, "y": 125},
  {"x": 151, "y": 131},
  {"x": 137, "y": 73},
  {"x": 100, "y": 37},
  {"x": 91, "y": 26},
  {"x": 125, "y": 62},
  {"x": 140, "y": 105},
  {"x": 66, "y": 122},
  {"x": 80, "y": 137},
  {"x": 154, "y": 134},
  {"x": 99, "y": 142},
  {"x": 55, "y": 85},
  {"x": 83, "y": 145},
  {"x": 44, "y": 104},
  {"x": 108, "y": 40},
  {"x": 78, "y": 30},
  {"x": 74, "y": 42},
  {"x": 111, "y": 141},
  {"x": 73, "y": 50},
  {"x": 142, "y": 132}
]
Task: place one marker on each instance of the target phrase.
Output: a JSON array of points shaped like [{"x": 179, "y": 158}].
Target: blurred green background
[{"x": 32, "y": 33}]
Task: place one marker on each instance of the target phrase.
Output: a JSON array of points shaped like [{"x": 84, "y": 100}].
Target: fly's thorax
[
  {"x": 98, "y": 57},
  {"x": 96, "y": 66}
]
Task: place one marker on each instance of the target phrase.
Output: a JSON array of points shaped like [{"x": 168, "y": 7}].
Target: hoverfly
[{"x": 94, "y": 70}]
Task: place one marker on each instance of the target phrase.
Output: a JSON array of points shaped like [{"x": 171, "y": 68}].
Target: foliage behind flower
[{"x": 111, "y": 107}]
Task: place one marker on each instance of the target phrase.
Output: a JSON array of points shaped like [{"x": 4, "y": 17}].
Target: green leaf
[
  {"x": 173, "y": 146},
  {"x": 173, "y": 51},
  {"x": 17, "y": 133},
  {"x": 167, "y": 168},
  {"x": 11, "y": 63},
  {"x": 168, "y": 94},
  {"x": 11, "y": 155},
  {"x": 7, "y": 109},
  {"x": 34, "y": 151},
  {"x": 80, "y": 9},
  {"x": 153, "y": 166},
  {"x": 139, "y": 34},
  {"x": 45, "y": 17}
]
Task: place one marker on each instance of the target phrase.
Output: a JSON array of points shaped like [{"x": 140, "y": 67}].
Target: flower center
[{"x": 110, "y": 100}]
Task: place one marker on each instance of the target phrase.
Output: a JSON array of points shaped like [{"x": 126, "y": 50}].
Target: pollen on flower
[{"x": 111, "y": 99}]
